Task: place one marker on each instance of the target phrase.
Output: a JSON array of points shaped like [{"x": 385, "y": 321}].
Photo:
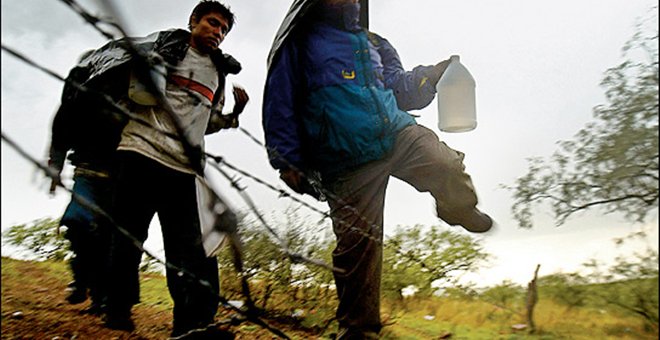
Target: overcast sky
[{"x": 537, "y": 66}]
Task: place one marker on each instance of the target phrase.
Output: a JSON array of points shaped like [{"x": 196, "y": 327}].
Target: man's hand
[
  {"x": 53, "y": 185},
  {"x": 438, "y": 71},
  {"x": 293, "y": 179},
  {"x": 54, "y": 173},
  {"x": 240, "y": 99}
]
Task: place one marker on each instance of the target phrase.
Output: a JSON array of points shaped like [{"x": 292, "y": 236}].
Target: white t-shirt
[{"x": 189, "y": 92}]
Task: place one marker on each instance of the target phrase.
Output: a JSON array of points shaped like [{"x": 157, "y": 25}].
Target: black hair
[{"x": 205, "y": 7}]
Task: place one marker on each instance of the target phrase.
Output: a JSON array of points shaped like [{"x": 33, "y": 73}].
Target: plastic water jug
[{"x": 456, "y": 98}]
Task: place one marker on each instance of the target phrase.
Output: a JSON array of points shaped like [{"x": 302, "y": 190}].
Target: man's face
[{"x": 208, "y": 32}]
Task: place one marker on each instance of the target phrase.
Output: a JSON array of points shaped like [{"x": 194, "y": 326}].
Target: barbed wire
[
  {"x": 295, "y": 257},
  {"x": 319, "y": 187},
  {"x": 220, "y": 161},
  {"x": 94, "y": 21},
  {"x": 298, "y": 258},
  {"x": 193, "y": 152},
  {"x": 100, "y": 212},
  {"x": 180, "y": 135},
  {"x": 398, "y": 247},
  {"x": 375, "y": 228},
  {"x": 187, "y": 149},
  {"x": 281, "y": 192},
  {"x": 250, "y": 313},
  {"x": 142, "y": 121}
]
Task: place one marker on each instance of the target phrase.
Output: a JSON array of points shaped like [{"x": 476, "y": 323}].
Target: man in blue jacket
[{"x": 335, "y": 104}]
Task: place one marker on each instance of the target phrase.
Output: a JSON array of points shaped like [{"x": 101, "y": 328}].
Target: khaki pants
[{"x": 421, "y": 160}]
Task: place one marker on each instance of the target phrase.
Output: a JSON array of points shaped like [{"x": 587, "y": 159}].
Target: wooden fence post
[{"x": 532, "y": 299}]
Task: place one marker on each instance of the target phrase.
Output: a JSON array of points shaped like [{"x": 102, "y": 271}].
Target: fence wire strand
[
  {"x": 217, "y": 164},
  {"x": 222, "y": 161},
  {"x": 187, "y": 148},
  {"x": 100, "y": 212}
]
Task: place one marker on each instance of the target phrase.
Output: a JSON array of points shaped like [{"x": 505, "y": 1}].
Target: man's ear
[{"x": 192, "y": 22}]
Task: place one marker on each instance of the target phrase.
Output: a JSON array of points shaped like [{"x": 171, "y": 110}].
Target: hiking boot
[
  {"x": 76, "y": 294},
  {"x": 477, "y": 222},
  {"x": 120, "y": 322}
]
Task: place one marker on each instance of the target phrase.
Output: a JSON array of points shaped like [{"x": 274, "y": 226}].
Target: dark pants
[
  {"x": 145, "y": 187},
  {"x": 421, "y": 160},
  {"x": 89, "y": 234}
]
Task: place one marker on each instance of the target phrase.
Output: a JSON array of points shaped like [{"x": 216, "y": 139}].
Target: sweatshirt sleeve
[
  {"x": 60, "y": 142},
  {"x": 412, "y": 89},
  {"x": 62, "y": 128},
  {"x": 281, "y": 122}
]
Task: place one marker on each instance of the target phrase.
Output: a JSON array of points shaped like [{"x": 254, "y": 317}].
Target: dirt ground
[{"x": 34, "y": 307}]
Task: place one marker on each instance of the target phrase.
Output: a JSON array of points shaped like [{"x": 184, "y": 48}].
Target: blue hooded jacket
[{"x": 335, "y": 94}]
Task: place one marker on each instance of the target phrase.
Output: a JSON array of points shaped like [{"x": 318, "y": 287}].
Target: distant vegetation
[
  {"x": 617, "y": 301},
  {"x": 612, "y": 162},
  {"x": 461, "y": 314}
]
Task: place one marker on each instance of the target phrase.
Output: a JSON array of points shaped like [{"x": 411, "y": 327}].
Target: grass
[
  {"x": 474, "y": 319},
  {"x": 432, "y": 318},
  {"x": 154, "y": 292},
  {"x": 153, "y": 287},
  {"x": 51, "y": 270}
]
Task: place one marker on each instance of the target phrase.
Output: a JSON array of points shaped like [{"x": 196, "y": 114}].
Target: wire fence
[{"x": 250, "y": 314}]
